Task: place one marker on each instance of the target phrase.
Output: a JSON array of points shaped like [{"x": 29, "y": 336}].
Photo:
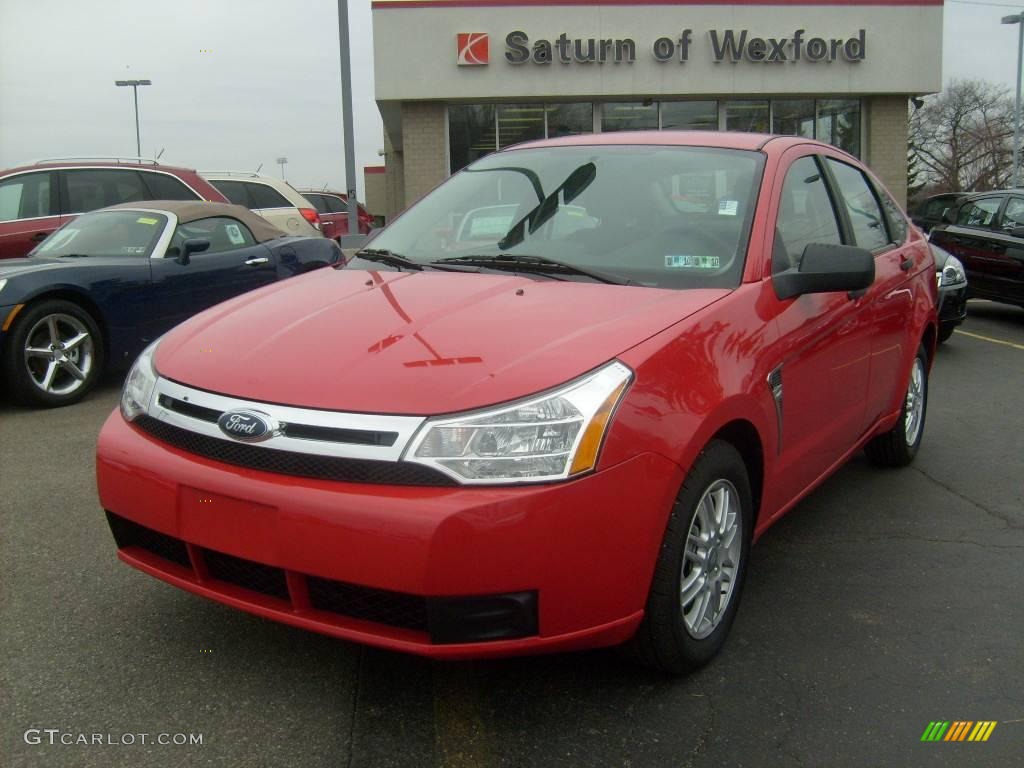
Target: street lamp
[
  {"x": 1017, "y": 19},
  {"x": 281, "y": 161},
  {"x": 135, "y": 90}
]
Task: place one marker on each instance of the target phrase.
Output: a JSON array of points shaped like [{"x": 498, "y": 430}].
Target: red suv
[
  {"x": 333, "y": 210},
  {"x": 37, "y": 199},
  {"x": 549, "y": 407}
]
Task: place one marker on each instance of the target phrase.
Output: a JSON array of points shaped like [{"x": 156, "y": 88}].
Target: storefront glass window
[
  {"x": 793, "y": 117},
  {"x": 629, "y": 116},
  {"x": 519, "y": 122},
  {"x": 691, "y": 115},
  {"x": 471, "y": 133},
  {"x": 839, "y": 124},
  {"x": 570, "y": 119},
  {"x": 750, "y": 116}
]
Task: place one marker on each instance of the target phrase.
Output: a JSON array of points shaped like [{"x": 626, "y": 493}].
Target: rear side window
[
  {"x": 319, "y": 202},
  {"x": 894, "y": 217},
  {"x": 866, "y": 218},
  {"x": 92, "y": 188},
  {"x": 264, "y": 196},
  {"x": 1013, "y": 216},
  {"x": 164, "y": 187},
  {"x": 26, "y": 196},
  {"x": 805, "y": 215},
  {"x": 979, "y": 213},
  {"x": 335, "y": 204},
  {"x": 234, "y": 191}
]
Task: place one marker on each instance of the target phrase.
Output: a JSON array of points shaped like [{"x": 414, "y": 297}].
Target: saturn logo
[
  {"x": 249, "y": 426},
  {"x": 473, "y": 48}
]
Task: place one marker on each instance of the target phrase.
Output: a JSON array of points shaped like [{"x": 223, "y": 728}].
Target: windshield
[
  {"x": 661, "y": 216},
  {"x": 106, "y": 233}
]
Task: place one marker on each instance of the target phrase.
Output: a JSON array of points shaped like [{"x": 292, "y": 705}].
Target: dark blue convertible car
[{"x": 98, "y": 290}]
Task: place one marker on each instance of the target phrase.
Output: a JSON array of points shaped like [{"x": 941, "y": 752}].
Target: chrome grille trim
[{"x": 404, "y": 426}]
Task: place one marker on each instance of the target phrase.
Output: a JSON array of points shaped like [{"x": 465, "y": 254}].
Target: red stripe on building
[{"x": 375, "y": 169}]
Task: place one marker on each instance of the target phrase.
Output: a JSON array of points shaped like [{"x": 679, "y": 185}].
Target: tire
[
  {"x": 898, "y": 446},
  {"x": 672, "y": 637},
  {"x": 61, "y": 370},
  {"x": 946, "y": 331}
]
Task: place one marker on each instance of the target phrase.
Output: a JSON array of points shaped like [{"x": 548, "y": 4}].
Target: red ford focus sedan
[{"x": 550, "y": 407}]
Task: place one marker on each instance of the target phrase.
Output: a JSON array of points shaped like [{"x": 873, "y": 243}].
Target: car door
[
  {"x": 29, "y": 211},
  {"x": 1002, "y": 262},
  {"x": 821, "y": 379},
  {"x": 891, "y": 297},
  {"x": 970, "y": 240},
  {"x": 234, "y": 263}
]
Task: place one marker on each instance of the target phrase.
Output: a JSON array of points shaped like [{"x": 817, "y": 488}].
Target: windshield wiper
[
  {"x": 390, "y": 258},
  {"x": 393, "y": 259},
  {"x": 536, "y": 264}
]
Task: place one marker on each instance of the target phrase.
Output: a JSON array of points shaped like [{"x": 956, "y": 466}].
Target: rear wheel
[
  {"x": 699, "y": 575},
  {"x": 898, "y": 446},
  {"x": 54, "y": 354}
]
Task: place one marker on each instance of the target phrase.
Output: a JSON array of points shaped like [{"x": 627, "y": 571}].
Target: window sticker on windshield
[
  {"x": 147, "y": 220},
  {"x": 674, "y": 261},
  {"x": 728, "y": 207},
  {"x": 234, "y": 234},
  {"x": 133, "y": 250}
]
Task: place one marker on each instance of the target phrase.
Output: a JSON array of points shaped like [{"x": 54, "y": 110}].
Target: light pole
[
  {"x": 135, "y": 90},
  {"x": 346, "y": 118},
  {"x": 1017, "y": 19},
  {"x": 282, "y": 161}
]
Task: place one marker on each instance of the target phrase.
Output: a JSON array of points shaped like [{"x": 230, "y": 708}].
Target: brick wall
[
  {"x": 887, "y": 142},
  {"x": 423, "y": 148}
]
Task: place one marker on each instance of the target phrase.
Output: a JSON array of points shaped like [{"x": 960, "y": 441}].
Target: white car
[{"x": 273, "y": 199}]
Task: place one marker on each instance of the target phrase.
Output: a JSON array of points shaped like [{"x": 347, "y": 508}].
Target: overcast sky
[{"x": 237, "y": 83}]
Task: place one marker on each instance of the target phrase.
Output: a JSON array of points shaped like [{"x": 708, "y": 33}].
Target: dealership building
[{"x": 456, "y": 79}]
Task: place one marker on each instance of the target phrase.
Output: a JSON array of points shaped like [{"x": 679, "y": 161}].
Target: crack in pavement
[
  {"x": 702, "y": 737},
  {"x": 355, "y": 708},
  {"x": 1006, "y": 518}
]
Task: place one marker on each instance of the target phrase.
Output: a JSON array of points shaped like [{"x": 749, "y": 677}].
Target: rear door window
[
  {"x": 235, "y": 191},
  {"x": 92, "y": 188},
  {"x": 869, "y": 229},
  {"x": 27, "y": 196},
  {"x": 265, "y": 196},
  {"x": 319, "y": 202},
  {"x": 979, "y": 213},
  {"x": 1013, "y": 216},
  {"x": 335, "y": 204},
  {"x": 164, "y": 187}
]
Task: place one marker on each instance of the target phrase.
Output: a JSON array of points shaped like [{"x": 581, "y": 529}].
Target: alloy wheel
[
  {"x": 913, "y": 411},
  {"x": 59, "y": 354}
]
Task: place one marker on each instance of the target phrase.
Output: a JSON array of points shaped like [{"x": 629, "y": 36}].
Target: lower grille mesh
[
  {"x": 246, "y": 574},
  {"x": 392, "y": 608},
  {"x": 129, "y": 534},
  {"x": 291, "y": 463}
]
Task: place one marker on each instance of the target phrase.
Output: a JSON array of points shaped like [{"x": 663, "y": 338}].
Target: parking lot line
[{"x": 989, "y": 338}]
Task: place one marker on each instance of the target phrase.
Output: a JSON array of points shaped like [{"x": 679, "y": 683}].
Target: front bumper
[
  {"x": 953, "y": 303},
  {"x": 578, "y": 554}
]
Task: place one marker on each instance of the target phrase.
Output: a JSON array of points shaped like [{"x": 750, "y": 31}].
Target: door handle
[
  {"x": 255, "y": 261},
  {"x": 38, "y": 237},
  {"x": 907, "y": 263}
]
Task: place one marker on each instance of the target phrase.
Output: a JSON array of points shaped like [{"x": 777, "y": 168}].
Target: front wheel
[
  {"x": 946, "y": 331},
  {"x": 53, "y": 355},
  {"x": 699, "y": 575},
  {"x": 898, "y": 446}
]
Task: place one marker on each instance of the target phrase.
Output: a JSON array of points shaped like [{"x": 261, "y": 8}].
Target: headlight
[
  {"x": 549, "y": 437},
  {"x": 139, "y": 386},
  {"x": 951, "y": 273}
]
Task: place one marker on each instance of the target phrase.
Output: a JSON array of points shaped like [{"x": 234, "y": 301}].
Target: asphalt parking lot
[{"x": 886, "y": 600}]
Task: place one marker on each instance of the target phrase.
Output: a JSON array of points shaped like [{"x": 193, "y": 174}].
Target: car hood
[
  {"x": 413, "y": 343},
  {"x": 14, "y": 267}
]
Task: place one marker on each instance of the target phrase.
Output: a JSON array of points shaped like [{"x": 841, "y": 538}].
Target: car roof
[
  {"x": 193, "y": 210},
  {"x": 721, "y": 139},
  {"x": 43, "y": 165}
]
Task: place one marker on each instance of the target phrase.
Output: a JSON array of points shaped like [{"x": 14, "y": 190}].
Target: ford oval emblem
[{"x": 249, "y": 426}]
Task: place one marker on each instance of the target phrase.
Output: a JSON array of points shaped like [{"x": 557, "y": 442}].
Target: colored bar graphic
[{"x": 959, "y": 730}]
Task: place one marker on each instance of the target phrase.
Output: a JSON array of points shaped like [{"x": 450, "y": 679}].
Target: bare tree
[{"x": 962, "y": 138}]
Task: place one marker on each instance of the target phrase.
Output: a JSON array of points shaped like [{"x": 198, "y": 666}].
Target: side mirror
[
  {"x": 827, "y": 269},
  {"x": 190, "y": 246},
  {"x": 1017, "y": 232}
]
